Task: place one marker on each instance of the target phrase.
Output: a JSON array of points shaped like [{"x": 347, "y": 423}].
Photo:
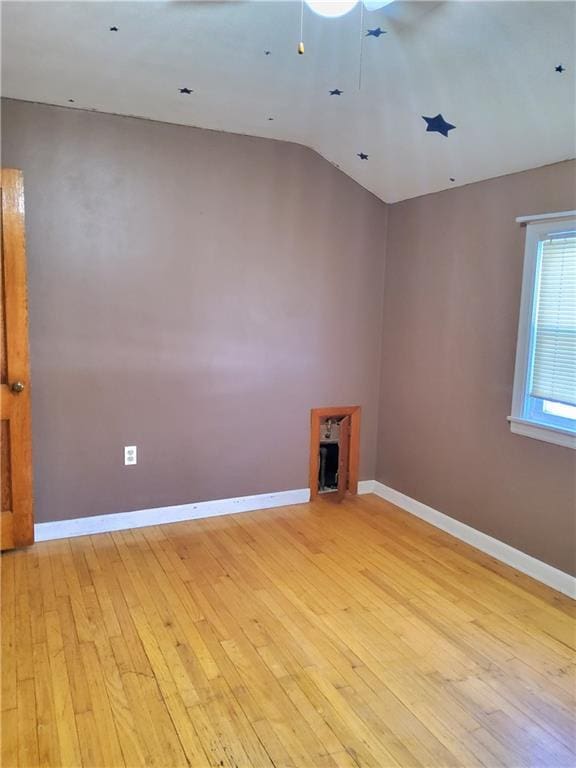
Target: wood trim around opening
[{"x": 316, "y": 416}]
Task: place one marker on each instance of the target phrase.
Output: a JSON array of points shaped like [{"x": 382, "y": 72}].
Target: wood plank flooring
[{"x": 318, "y": 635}]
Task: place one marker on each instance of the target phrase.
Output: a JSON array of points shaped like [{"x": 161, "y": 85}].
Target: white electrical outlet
[{"x": 130, "y": 455}]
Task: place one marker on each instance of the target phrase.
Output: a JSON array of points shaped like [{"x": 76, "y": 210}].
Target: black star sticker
[
  {"x": 185, "y": 90},
  {"x": 438, "y": 125},
  {"x": 336, "y": 92},
  {"x": 560, "y": 68},
  {"x": 375, "y": 32},
  {"x": 113, "y": 29},
  {"x": 362, "y": 156}
]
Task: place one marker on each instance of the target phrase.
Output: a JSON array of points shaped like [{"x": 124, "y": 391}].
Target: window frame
[{"x": 522, "y": 423}]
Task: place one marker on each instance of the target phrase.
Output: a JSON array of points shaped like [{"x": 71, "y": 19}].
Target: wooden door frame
[{"x": 316, "y": 416}]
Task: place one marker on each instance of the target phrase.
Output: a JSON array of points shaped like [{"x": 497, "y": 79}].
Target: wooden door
[
  {"x": 343, "y": 456},
  {"x": 17, "y": 528}
]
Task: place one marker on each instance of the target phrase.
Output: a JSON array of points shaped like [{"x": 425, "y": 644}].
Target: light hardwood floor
[{"x": 315, "y": 635}]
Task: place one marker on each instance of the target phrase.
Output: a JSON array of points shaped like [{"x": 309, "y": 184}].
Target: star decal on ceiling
[
  {"x": 438, "y": 125},
  {"x": 375, "y": 32},
  {"x": 362, "y": 155},
  {"x": 186, "y": 90},
  {"x": 560, "y": 68},
  {"x": 336, "y": 92}
]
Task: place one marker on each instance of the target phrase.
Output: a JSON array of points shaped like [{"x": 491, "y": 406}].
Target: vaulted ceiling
[{"x": 502, "y": 73}]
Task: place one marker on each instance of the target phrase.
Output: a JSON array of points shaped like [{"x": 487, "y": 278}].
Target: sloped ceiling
[{"x": 489, "y": 68}]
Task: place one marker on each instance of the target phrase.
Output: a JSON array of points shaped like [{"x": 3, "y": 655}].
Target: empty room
[{"x": 288, "y": 384}]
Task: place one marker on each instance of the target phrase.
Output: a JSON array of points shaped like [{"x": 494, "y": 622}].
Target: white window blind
[{"x": 554, "y": 351}]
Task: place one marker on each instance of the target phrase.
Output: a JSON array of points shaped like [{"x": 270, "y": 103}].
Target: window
[{"x": 544, "y": 402}]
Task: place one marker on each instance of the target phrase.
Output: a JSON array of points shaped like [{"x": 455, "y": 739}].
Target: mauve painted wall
[
  {"x": 192, "y": 293},
  {"x": 452, "y": 296}
]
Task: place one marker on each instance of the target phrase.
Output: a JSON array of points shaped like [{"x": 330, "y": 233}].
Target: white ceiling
[{"x": 487, "y": 67}]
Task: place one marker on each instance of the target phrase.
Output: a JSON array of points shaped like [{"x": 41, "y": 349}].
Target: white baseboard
[
  {"x": 527, "y": 564},
  {"x": 84, "y": 526},
  {"x": 120, "y": 521},
  {"x": 366, "y": 486}
]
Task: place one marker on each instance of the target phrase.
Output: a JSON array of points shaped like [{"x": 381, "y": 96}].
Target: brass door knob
[{"x": 17, "y": 387}]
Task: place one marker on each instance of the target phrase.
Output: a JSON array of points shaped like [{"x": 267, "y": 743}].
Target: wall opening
[{"x": 334, "y": 451}]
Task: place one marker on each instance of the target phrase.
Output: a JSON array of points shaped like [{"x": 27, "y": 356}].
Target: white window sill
[{"x": 541, "y": 432}]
